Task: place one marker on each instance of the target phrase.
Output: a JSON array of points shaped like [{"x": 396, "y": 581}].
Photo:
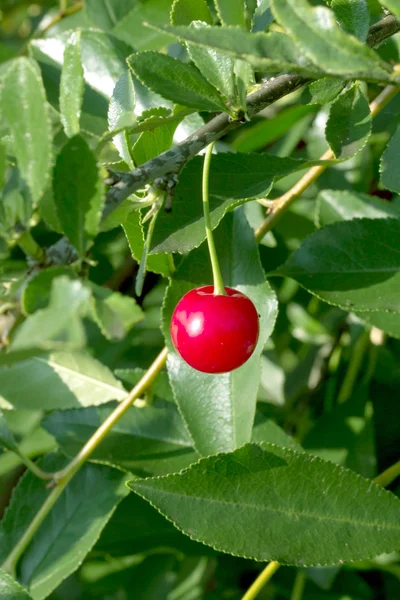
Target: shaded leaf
[
  {"x": 389, "y": 168},
  {"x": 70, "y": 380},
  {"x": 392, "y": 5},
  {"x": 28, "y": 122},
  {"x": 339, "y": 264},
  {"x": 292, "y": 496},
  {"x": 219, "y": 409},
  {"x": 322, "y": 40},
  {"x": 176, "y": 81},
  {"x": 147, "y": 441},
  {"x": 36, "y": 293},
  {"x": 7, "y": 439},
  {"x": 114, "y": 313},
  {"x": 78, "y": 192},
  {"x": 231, "y": 12},
  {"x": 153, "y": 142},
  {"x": 183, "y": 12},
  {"x": 59, "y": 324},
  {"x": 325, "y": 89},
  {"x": 105, "y": 14},
  {"x": 72, "y": 85},
  {"x": 353, "y": 16},
  {"x": 343, "y": 205},
  {"x": 131, "y": 28},
  {"x": 69, "y": 532},
  {"x": 349, "y": 124}
]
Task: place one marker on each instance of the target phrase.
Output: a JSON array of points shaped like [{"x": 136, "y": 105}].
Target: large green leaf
[
  {"x": 153, "y": 142},
  {"x": 176, "y": 81},
  {"x": 340, "y": 265},
  {"x": 131, "y": 28},
  {"x": 150, "y": 441},
  {"x": 344, "y": 205},
  {"x": 10, "y": 589},
  {"x": 274, "y": 51},
  {"x": 349, "y": 124},
  {"x": 36, "y": 293},
  {"x": 72, "y": 85},
  {"x": 294, "y": 508},
  {"x": 217, "y": 67},
  {"x": 353, "y": 16},
  {"x": 234, "y": 178},
  {"x": 58, "y": 380},
  {"x": 69, "y": 532},
  {"x": 28, "y": 122},
  {"x": 390, "y": 172},
  {"x": 322, "y": 40},
  {"x": 121, "y": 114},
  {"x": 78, "y": 192},
  {"x": 219, "y": 409},
  {"x": 387, "y": 322},
  {"x": 58, "y": 326}
]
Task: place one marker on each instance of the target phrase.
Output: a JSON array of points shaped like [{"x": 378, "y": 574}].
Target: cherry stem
[{"x": 219, "y": 289}]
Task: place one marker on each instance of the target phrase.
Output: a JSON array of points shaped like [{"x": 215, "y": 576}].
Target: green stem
[
  {"x": 388, "y": 476},
  {"x": 261, "y": 580},
  {"x": 299, "y": 585},
  {"x": 30, "y": 246},
  {"x": 33, "y": 467},
  {"x": 62, "y": 478},
  {"x": 360, "y": 347},
  {"x": 63, "y": 5},
  {"x": 219, "y": 288}
]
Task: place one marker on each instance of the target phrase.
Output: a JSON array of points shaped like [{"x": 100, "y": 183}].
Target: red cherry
[{"x": 214, "y": 333}]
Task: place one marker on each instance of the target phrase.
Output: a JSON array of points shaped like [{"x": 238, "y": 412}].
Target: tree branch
[{"x": 174, "y": 159}]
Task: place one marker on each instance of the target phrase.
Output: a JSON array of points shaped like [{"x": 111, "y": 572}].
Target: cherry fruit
[{"x": 215, "y": 333}]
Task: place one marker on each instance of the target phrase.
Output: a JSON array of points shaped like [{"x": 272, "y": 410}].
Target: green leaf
[
  {"x": 28, "y": 122},
  {"x": 234, "y": 178},
  {"x": 268, "y": 431},
  {"x": 7, "y": 439},
  {"x": 10, "y": 589},
  {"x": 71, "y": 381},
  {"x": 3, "y": 164},
  {"x": 340, "y": 265},
  {"x": 274, "y": 51},
  {"x": 36, "y": 293},
  {"x": 137, "y": 527},
  {"x": 176, "y": 81},
  {"x": 69, "y": 532},
  {"x": 219, "y": 409},
  {"x": 392, "y": 5},
  {"x": 231, "y": 12},
  {"x": 160, "y": 387},
  {"x": 156, "y": 263},
  {"x": 349, "y": 124},
  {"x": 153, "y": 142},
  {"x": 387, "y": 322},
  {"x": 183, "y": 12},
  {"x": 326, "y": 89},
  {"x": 353, "y": 16},
  {"x": 344, "y": 205},
  {"x": 58, "y": 326},
  {"x": 215, "y": 66},
  {"x": 389, "y": 168},
  {"x": 146, "y": 441},
  {"x": 78, "y": 192},
  {"x": 72, "y": 85},
  {"x": 322, "y": 40},
  {"x": 114, "y": 313},
  {"x": 274, "y": 495},
  {"x": 121, "y": 113},
  {"x": 105, "y": 14}
]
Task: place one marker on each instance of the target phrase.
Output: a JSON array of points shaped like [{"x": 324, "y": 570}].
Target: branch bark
[{"x": 174, "y": 159}]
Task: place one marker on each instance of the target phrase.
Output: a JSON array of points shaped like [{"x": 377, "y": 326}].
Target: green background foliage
[{"x": 106, "y": 108}]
